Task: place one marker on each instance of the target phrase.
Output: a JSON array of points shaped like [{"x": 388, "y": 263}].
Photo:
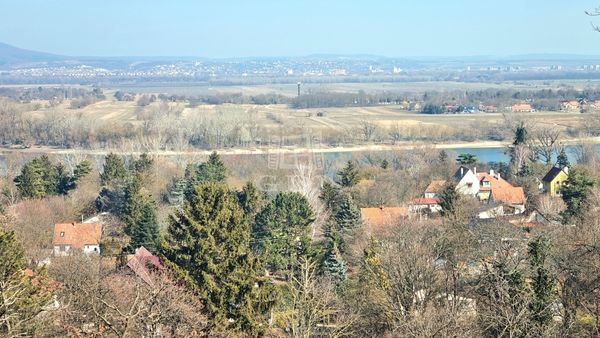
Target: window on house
[
  {"x": 470, "y": 184},
  {"x": 62, "y": 234}
]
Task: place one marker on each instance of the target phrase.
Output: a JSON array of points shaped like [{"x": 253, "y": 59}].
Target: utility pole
[{"x": 299, "y": 83}]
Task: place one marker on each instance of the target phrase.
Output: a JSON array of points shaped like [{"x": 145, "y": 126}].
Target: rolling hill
[{"x": 13, "y": 55}]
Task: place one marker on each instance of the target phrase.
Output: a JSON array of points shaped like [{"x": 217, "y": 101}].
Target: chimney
[
  {"x": 475, "y": 170},
  {"x": 566, "y": 170},
  {"x": 462, "y": 171},
  {"x": 492, "y": 172}
]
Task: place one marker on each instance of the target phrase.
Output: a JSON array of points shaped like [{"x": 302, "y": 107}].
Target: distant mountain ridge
[
  {"x": 11, "y": 56},
  {"x": 14, "y": 55}
]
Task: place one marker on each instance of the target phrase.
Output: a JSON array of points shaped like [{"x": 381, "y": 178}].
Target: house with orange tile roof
[
  {"x": 495, "y": 189},
  {"x": 570, "y": 105},
  {"x": 522, "y": 108},
  {"x": 378, "y": 219},
  {"x": 76, "y": 236}
]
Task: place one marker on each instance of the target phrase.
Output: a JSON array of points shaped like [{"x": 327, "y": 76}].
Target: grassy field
[{"x": 408, "y": 87}]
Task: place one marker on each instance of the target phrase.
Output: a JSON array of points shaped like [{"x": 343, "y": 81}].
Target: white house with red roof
[
  {"x": 76, "y": 236},
  {"x": 498, "y": 195}
]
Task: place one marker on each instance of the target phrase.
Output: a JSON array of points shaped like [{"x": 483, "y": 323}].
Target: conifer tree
[
  {"x": 114, "y": 168},
  {"x": 281, "y": 233},
  {"x": 449, "y": 200},
  {"x": 333, "y": 265},
  {"x": 208, "y": 243},
  {"x": 329, "y": 194},
  {"x": 562, "y": 160},
  {"x": 250, "y": 199},
  {"x": 23, "y": 297},
  {"x": 575, "y": 192},
  {"x": 347, "y": 214},
  {"x": 213, "y": 170},
  {"x": 143, "y": 164},
  {"x": 349, "y": 175},
  {"x": 146, "y": 230},
  {"x": 543, "y": 283},
  {"x": 30, "y": 182}
]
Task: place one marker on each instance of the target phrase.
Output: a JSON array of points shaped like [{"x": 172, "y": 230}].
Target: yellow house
[{"x": 554, "y": 180}]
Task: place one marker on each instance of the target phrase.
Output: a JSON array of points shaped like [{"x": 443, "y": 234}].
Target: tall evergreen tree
[
  {"x": 22, "y": 298},
  {"x": 114, "y": 168},
  {"x": 543, "y": 283},
  {"x": 281, "y": 233},
  {"x": 562, "y": 160},
  {"x": 346, "y": 213},
  {"x": 133, "y": 202},
  {"x": 329, "y": 194},
  {"x": 575, "y": 192},
  {"x": 333, "y": 265},
  {"x": 349, "y": 175},
  {"x": 30, "y": 182},
  {"x": 213, "y": 170},
  {"x": 208, "y": 242},
  {"x": 520, "y": 135},
  {"x": 449, "y": 200},
  {"x": 146, "y": 230},
  {"x": 250, "y": 199},
  {"x": 143, "y": 164}
]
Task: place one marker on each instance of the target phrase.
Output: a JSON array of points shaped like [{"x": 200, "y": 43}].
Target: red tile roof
[
  {"x": 141, "y": 262},
  {"x": 425, "y": 201},
  {"x": 501, "y": 190},
  {"x": 77, "y": 235},
  {"x": 378, "y": 218}
]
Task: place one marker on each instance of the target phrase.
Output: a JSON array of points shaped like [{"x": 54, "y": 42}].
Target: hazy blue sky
[{"x": 231, "y": 28}]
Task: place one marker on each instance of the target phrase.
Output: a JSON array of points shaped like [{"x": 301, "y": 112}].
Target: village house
[
  {"x": 77, "y": 236},
  {"x": 494, "y": 189},
  {"x": 554, "y": 181},
  {"x": 467, "y": 182},
  {"x": 424, "y": 206},
  {"x": 570, "y": 105},
  {"x": 497, "y": 196},
  {"x": 522, "y": 108}
]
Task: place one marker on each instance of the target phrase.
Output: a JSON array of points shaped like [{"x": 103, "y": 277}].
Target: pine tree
[
  {"x": 30, "y": 182},
  {"x": 208, "y": 242},
  {"x": 349, "y": 175},
  {"x": 562, "y": 160},
  {"x": 575, "y": 192},
  {"x": 281, "y": 233},
  {"x": 213, "y": 170},
  {"x": 23, "y": 297},
  {"x": 449, "y": 200},
  {"x": 146, "y": 230},
  {"x": 329, "y": 194},
  {"x": 333, "y": 265},
  {"x": 520, "y": 135},
  {"x": 114, "y": 168},
  {"x": 133, "y": 202},
  {"x": 346, "y": 213},
  {"x": 250, "y": 199},
  {"x": 467, "y": 159},
  {"x": 543, "y": 282},
  {"x": 143, "y": 164}
]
